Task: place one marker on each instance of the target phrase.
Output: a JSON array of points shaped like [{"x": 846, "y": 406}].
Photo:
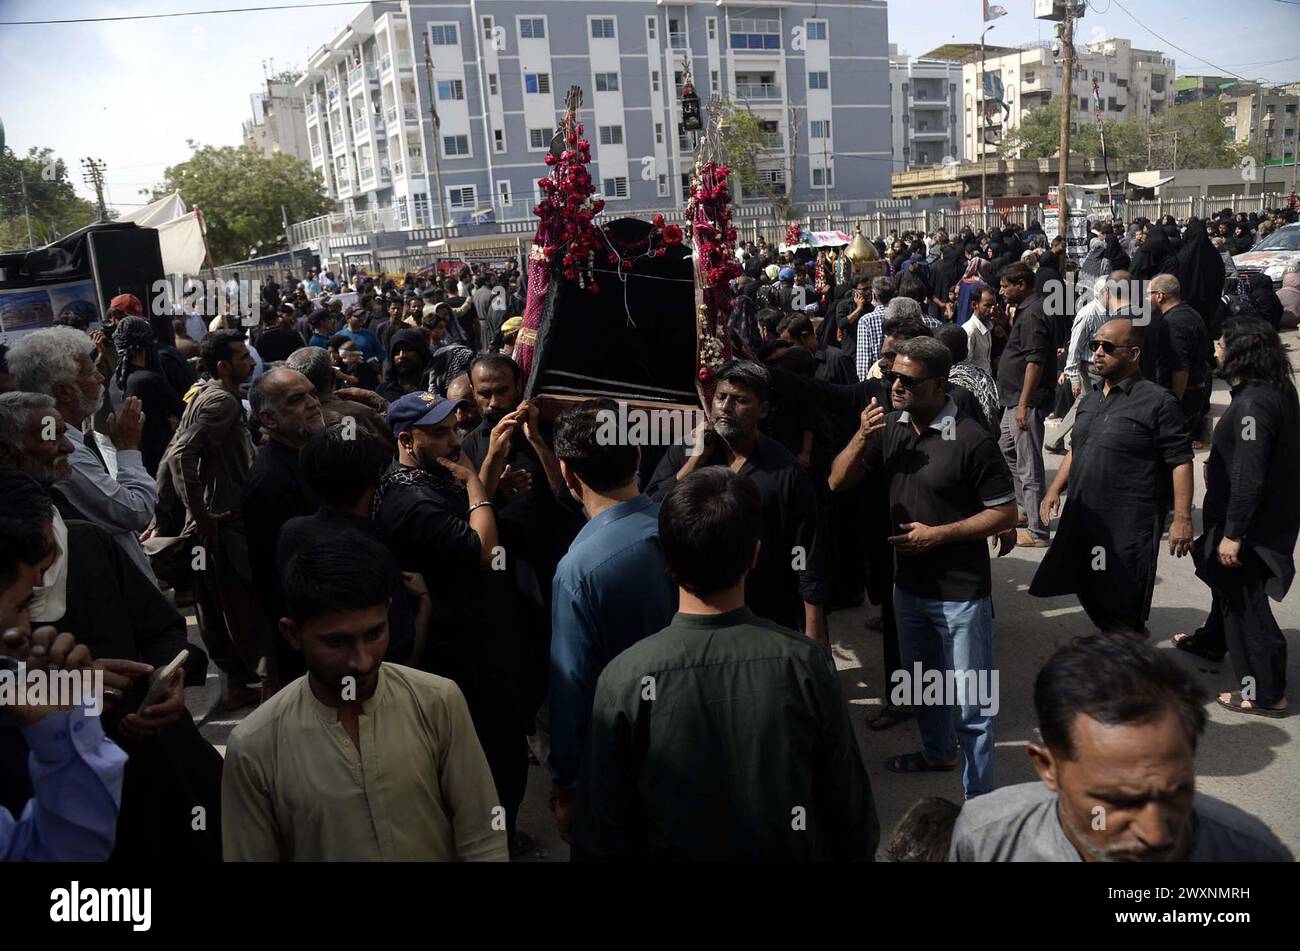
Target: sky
[{"x": 132, "y": 92}]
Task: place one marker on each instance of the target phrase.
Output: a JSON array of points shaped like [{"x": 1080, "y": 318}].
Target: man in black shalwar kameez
[{"x": 1127, "y": 433}]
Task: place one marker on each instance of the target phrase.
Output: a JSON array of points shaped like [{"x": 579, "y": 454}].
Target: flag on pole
[{"x": 992, "y": 12}]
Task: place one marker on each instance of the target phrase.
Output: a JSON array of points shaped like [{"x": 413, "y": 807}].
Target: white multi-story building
[
  {"x": 500, "y": 70},
  {"x": 925, "y": 111},
  {"x": 1132, "y": 82},
  {"x": 279, "y": 123}
]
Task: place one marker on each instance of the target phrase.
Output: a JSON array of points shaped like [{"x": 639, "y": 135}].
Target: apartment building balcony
[
  {"x": 385, "y": 176},
  {"x": 315, "y": 151},
  {"x": 391, "y": 122},
  {"x": 337, "y": 137},
  {"x": 926, "y": 102},
  {"x": 331, "y": 92},
  {"x": 358, "y": 76},
  {"x": 929, "y": 134},
  {"x": 677, "y": 41},
  {"x": 360, "y": 125},
  {"x": 398, "y": 169},
  {"x": 758, "y": 91},
  {"x": 367, "y": 174},
  {"x": 402, "y": 61},
  {"x": 410, "y": 115},
  {"x": 311, "y": 110}
]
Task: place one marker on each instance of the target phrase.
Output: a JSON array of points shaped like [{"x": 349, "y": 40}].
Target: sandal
[
  {"x": 1237, "y": 705},
  {"x": 888, "y": 716},
  {"x": 917, "y": 763},
  {"x": 1188, "y": 642}
]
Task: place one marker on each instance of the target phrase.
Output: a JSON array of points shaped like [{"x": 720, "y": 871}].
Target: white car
[{"x": 1274, "y": 256}]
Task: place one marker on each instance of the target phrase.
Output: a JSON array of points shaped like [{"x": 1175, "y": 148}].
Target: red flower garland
[
  {"x": 568, "y": 210},
  {"x": 794, "y": 234},
  {"x": 708, "y": 221}
]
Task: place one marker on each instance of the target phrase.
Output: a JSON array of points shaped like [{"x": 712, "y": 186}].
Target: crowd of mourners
[{"x": 421, "y": 579}]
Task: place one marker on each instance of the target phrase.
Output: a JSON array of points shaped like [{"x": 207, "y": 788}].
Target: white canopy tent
[{"x": 180, "y": 233}]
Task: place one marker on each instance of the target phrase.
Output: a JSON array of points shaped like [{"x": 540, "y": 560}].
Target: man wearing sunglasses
[
  {"x": 949, "y": 489},
  {"x": 1128, "y": 433}
]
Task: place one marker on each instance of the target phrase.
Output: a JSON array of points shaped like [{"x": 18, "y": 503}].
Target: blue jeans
[{"x": 952, "y": 636}]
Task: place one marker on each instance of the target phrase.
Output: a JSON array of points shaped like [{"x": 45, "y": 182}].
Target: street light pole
[{"x": 981, "y": 125}]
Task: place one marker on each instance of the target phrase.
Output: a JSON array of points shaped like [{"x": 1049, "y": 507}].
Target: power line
[
  {"x": 1174, "y": 45},
  {"x": 189, "y": 13}
]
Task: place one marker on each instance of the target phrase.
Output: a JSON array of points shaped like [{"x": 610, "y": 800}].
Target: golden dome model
[{"x": 862, "y": 251}]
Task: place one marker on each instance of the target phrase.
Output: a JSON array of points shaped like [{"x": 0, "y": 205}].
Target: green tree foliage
[
  {"x": 240, "y": 192},
  {"x": 746, "y": 141},
  {"x": 51, "y": 199},
  {"x": 1203, "y": 140}
]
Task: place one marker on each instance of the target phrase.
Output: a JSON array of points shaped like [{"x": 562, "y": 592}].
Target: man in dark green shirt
[{"x": 724, "y": 736}]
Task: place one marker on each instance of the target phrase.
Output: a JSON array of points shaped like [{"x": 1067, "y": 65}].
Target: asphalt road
[{"x": 1250, "y": 762}]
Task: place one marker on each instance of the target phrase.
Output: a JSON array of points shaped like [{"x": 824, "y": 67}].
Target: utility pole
[
  {"x": 981, "y": 127},
  {"x": 1067, "y": 115},
  {"x": 433, "y": 111},
  {"x": 27, "y": 211},
  {"x": 93, "y": 175}
]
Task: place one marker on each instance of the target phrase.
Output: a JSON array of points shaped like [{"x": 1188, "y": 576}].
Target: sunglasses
[
  {"x": 908, "y": 382},
  {"x": 1107, "y": 347}
]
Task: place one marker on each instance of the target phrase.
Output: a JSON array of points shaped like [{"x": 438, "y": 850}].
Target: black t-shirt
[
  {"x": 1032, "y": 339},
  {"x": 947, "y": 474},
  {"x": 1190, "y": 342}
]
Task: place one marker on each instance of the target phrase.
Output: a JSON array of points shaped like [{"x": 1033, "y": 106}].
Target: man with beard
[
  {"x": 537, "y": 518},
  {"x": 360, "y": 760},
  {"x": 284, "y": 402},
  {"x": 436, "y": 515},
  {"x": 407, "y": 370},
  {"x": 202, "y": 478},
  {"x": 949, "y": 490},
  {"x": 468, "y": 416},
  {"x": 1127, "y": 434},
  {"x": 1120, "y": 724},
  {"x": 314, "y": 363},
  {"x": 787, "y": 584},
  {"x": 59, "y": 362}
]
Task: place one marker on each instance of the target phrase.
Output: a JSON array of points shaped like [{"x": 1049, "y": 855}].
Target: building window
[
  {"x": 602, "y": 28},
  {"x": 607, "y": 82},
  {"x": 493, "y": 89},
  {"x": 746, "y": 34},
  {"x": 487, "y": 28},
  {"x": 1083, "y": 103},
  {"x": 654, "y": 81},
  {"x": 537, "y": 83},
  {"x": 713, "y": 81},
  {"x": 503, "y": 192},
  {"x": 462, "y": 198},
  {"x": 650, "y": 28},
  {"x": 615, "y": 187},
  {"x": 453, "y": 145},
  {"x": 711, "y": 24},
  {"x": 611, "y": 135},
  {"x": 443, "y": 34},
  {"x": 1029, "y": 76},
  {"x": 532, "y": 28},
  {"x": 663, "y": 186},
  {"x": 815, "y": 29},
  {"x": 686, "y": 183},
  {"x": 540, "y": 139},
  {"x": 499, "y": 139},
  {"x": 820, "y": 128},
  {"x": 451, "y": 89},
  {"x": 823, "y": 81},
  {"x": 659, "y": 133}
]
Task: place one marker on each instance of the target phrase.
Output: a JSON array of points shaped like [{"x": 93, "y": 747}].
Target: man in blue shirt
[
  {"x": 75, "y": 771},
  {"x": 610, "y": 590},
  {"x": 365, "y": 339}
]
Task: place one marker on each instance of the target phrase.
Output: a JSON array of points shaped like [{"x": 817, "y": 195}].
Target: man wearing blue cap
[{"x": 435, "y": 514}]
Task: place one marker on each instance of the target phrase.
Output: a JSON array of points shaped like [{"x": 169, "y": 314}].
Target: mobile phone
[{"x": 160, "y": 679}]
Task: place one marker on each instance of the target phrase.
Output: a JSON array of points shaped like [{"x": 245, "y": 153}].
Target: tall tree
[
  {"x": 52, "y": 200},
  {"x": 747, "y": 143},
  {"x": 240, "y": 192}
]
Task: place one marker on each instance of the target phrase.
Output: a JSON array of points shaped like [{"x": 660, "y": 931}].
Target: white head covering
[{"x": 50, "y": 600}]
